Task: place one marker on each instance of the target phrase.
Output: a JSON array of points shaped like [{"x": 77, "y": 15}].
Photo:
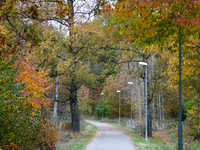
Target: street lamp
[
  {"x": 131, "y": 102},
  {"x": 180, "y": 133},
  {"x": 145, "y": 64},
  {"x": 119, "y": 103},
  {"x": 103, "y": 105}
]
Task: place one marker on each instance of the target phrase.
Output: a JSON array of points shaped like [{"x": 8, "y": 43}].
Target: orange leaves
[
  {"x": 118, "y": 39},
  {"x": 35, "y": 81},
  {"x": 128, "y": 40}
]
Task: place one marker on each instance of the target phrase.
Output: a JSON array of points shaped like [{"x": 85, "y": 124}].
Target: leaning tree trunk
[{"x": 75, "y": 124}]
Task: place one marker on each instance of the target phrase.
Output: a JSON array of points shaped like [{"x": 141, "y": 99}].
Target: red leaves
[
  {"x": 106, "y": 9},
  {"x": 192, "y": 22},
  {"x": 127, "y": 5},
  {"x": 196, "y": 2},
  {"x": 198, "y": 21},
  {"x": 176, "y": 14},
  {"x": 180, "y": 21}
]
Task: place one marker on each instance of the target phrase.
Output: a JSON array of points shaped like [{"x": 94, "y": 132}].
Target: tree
[
  {"x": 155, "y": 22},
  {"x": 23, "y": 16}
]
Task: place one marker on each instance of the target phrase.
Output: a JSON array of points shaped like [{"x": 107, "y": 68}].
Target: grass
[
  {"x": 196, "y": 146},
  {"x": 140, "y": 143},
  {"x": 71, "y": 141}
]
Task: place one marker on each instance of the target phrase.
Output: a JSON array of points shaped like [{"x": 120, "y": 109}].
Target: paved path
[{"x": 108, "y": 138}]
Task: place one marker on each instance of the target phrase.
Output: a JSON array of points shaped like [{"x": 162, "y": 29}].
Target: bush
[
  {"x": 21, "y": 125},
  {"x": 99, "y": 108}
]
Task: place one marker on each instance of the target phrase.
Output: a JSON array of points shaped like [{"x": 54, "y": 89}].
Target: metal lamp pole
[
  {"x": 119, "y": 104},
  {"x": 131, "y": 102},
  {"x": 180, "y": 140},
  {"x": 82, "y": 109},
  {"x": 145, "y": 64},
  {"x": 103, "y": 105}
]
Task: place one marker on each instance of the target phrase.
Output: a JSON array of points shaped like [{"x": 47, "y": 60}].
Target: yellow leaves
[
  {"x": 137, "y": 11},
  {"x": 196, "y": 140},
  {"x": 61, "y": 4},
  {"x": 63, "y": 10},
  {"x": 3, "y": 36},
  {"x": 145, "y": 14}
]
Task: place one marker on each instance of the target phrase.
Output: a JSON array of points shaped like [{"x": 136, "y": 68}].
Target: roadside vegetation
[{"x": 68, "y": 140}]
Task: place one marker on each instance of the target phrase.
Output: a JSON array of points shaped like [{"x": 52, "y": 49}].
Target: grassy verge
[
  {"x": 141, "y": 144},
  {"x": 71, "y": 141}
]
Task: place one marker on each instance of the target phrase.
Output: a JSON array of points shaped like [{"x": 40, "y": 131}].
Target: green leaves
[{"x": 157, "y": 56}]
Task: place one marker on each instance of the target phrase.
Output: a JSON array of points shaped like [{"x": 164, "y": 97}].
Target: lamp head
[
  {"x": 143, "y": 63},
  {"x": 118, "y": 91},
  {"x": 130, "y": 82}
]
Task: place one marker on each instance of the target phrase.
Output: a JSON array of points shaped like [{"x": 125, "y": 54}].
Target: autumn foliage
[
  {"x": 23, "y": 125},
  {"x": 23, "y": 86}
]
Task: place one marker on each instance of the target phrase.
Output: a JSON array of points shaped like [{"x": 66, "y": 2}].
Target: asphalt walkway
[{"x": 109, "y": 138}]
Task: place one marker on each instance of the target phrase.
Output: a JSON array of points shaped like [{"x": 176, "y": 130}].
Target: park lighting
[
  {"x": 103, "y": 105},
  {"x": 130, "y": 82},
  {"x": 145, "y": 64},
  {"x": 180, "y": 132},
  {"x": 131, "y": 103},
  {"x": 119, "y": 103}
]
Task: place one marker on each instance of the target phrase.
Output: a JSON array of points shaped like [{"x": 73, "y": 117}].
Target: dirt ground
[{"x": 164, "y": 135}]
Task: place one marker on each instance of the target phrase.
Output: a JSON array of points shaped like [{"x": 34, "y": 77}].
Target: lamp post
[
  {"x": 180, "y": 139},
  {"x": 145, "y": 64},
  {"x": 103, "y": 105},
  {"x": 131, "y": 102},
  {"x": 82, "y": 109},
  {"x": 119, "y": 103}
]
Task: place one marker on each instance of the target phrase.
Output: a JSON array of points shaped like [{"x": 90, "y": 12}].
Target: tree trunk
[
  {"x": 153, "y": 112},
  {"x": 158, "y": 116},
  {"x": 75, "y": 124},
  {"x": 163, "y": 107},
  {"x": 160, "y": 112},
  {"x": 55, "y": 104},
  {"x": 139, "y": 102}
]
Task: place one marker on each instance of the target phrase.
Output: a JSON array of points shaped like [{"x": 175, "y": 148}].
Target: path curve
[{"x": 109, "y": 138}]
